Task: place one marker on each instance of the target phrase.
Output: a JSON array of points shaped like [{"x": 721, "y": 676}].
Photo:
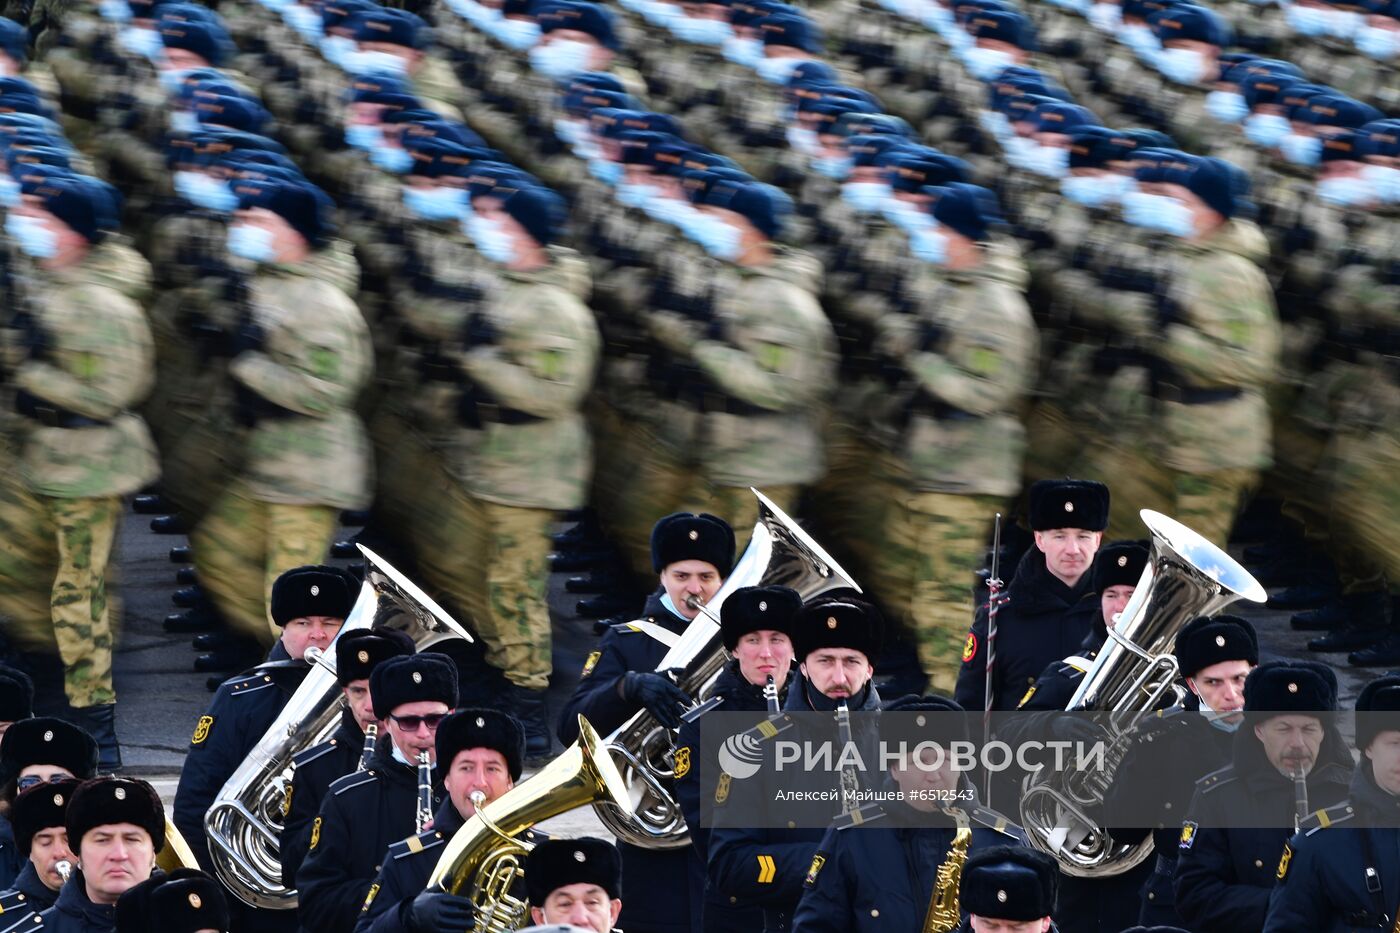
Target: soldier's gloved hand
[
  {"x": 1168, "y": 311},
  {"x": 1076, "y": 727},
  {"x": 658, "y": 695},
  {"x": 250, "y": 337},
  {"x": 440, "y": 912},
  {"x": 27, "y": 404},
  {"x": 479, "y": 331},
  {"x": 931, "y": 335},
  {"x": 33, "y": 337}
]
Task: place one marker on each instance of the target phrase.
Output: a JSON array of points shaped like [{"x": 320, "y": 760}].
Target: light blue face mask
[
  {"x": 1139, "y": 38},
  {"x": 251, "y": 243},
  {"x": 375, "y": 63},
  {"x": 392, "y": 159},
  {"x": 832, "y": 166},
  {"x": 1384, "y": 180},
  {"x": 986, "y": 64},
  {"x": 1266, "y": 130},
  {"x": 1019, "y": 149},
  {"x": 1182, "y": 66},
  {"x": 1380, "y": 44},
  {"x": 1307, "y": 20},
  {"x": 139, "y": 40},
  {"x": 1346, "y": 192},
  {"x": 337, "y": 49},
  {"x": 1226, "y": 106},
  {"x": 701, "y": 31},
  {"x": 363, "y": 136},
  {"x": 436, "y": 203},
  {"x": 635, "y": 195},
  {"x": 32, "y": 236},
  {"x": 569, "y": 132},
  {"x": 722, "y": 241},
  {"x": 905, "y": 216},
  {"x": 1301, "y": 150},
  {"x": 516, "y": 34},
  {"x": 777, "y": 70},
  {"x": 1098, "y": 191},
  {"x": 1158, "y": 212},
  {"x": 670, "y": 211},
  {"x": 929, "y": 244},
  {"x": 561, "y": 60},
  {"x": 662, "y": 14},
  {"x": 204, "y": 191},
  {"x": 609, "y": 173},
  {"x": 745, "y": 52},
  {"x": 9, "y": 192},
  {"x": 1218, "y": 719},
  {"x": 1105, "y": 17},
  {"x": 995, "y": 124},
  {"x": 184, "y": 121},
  {"x": 1047, "y": 162},
  {"x": 306, "y": 21},
  {"x": 114, "y": 11},
  {"x": 491, "y": 241},
  {"x": 800, "y": 139},
  {"x": 865, "y": 196}
]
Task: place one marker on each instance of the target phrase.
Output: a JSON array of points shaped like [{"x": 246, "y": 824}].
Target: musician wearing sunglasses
[
  {"x": 357, "y": 654},
  {"x": 38, "y": 751},
  {"x": 309, "y": 604},
  {"x": 368, "y": 811},
  {"x": 692, "y": 554},
  {"x": 481, "y": 751},
  {"x": 42, "y": 834},
  {"x": 756, "y": 623}
]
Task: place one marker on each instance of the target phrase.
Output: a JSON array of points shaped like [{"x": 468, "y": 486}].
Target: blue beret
[
  {"x": 965, "y": 209},
  {"x": 383, "y": 89},
  {"x": 236, "y": 113},
  {"x": 872, "y": 124},
  {"x": 1266, "y": 88},
  {"x": 1381, "y": 138},
  {"x": 1003, "y": 26},
  {"x": 789, "y": 31},
  {"x": 540, "y": 211},
  {"x": 437, "y": 158},
  {"x": 1188, "y": 21},
  {"x": 1337, "y": 110},
  {"x": 913, "y": 169},
  {"x": 866, "y": 151},
  {"x": 14, "y": 39},
  {"x": 497, "y": 179},
  {"x": 595, "y": 81},
  {"x": 581, "y": 101},
  {"x": 1297, "y": 98},
  {"x": 1096, "y": 146},
  {"x": 1060, "y": 117},
  {"x": 334, "y": 13},
  {"x": 89, "y": 206},
  {"x": 637, "y": 146},
  {"x": 812, "y": 72},
  {"x": 302, "y": 205},
  {"x": 764, "y": 206},
  {"x": 390, "y": 25},
  {"x": 207, "y": 40},
  {"x": 590, "y": 18},
  {"x": 39, "y": 155}
]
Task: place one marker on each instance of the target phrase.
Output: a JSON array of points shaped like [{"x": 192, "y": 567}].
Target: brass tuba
[
  {"x": 245, "y": 821},
  {"x": 1186, "y": 576},
  {"x": 483, "y": 860},
  {"x": 779, "y": 554}
]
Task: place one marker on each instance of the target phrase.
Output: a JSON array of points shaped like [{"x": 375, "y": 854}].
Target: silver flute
[{"x": 424, "y": 814}]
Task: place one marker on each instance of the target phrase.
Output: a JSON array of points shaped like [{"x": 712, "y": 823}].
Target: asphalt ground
[{"x": 160, "y": 697}]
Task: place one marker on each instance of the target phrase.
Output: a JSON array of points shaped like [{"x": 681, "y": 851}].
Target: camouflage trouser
[
  {"x": 847, "y": 513},
  {"x": 1053, "y": 442},
  {"x": 243, "y": 545},
  {"x": 28, "y": 556},
  {"x": 1209, "y": 503},
  {"x": 405, "y": 466},
  {"x": 1365, "y": 496},
  {"x": 84, "y": 531},
  {"x": 493, "y": 561},
  {"x": 934, "y": 544},
  {"x": 736, "y": 505},
  {"x": 1135, "y": 482},
  {"x": 656, "y": 484}
]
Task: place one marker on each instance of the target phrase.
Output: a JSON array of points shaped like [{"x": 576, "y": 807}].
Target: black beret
[
  {"x": 481, "y": 728},
  {"x": 1009, "y": 883},
  {"x": 313, "y": 591},
  {"x": 16, "y": 695},
  {"x": 839, "y": 623},
  {"x": 41, "y": 807},
  {"x": 1068, "y": 503},
  {"x": 911, "y": 728},
  {"x": 557, "y": 863},
  {"x": 184, "y": 901},
  {"x": 1381, "y": 695},
  {"x": 359, "y": 652},
  {"x": 411, "y": 680},
  {"x": 1205, "y": 641},
  {"x": 105, "y": 801},
  {"x": 46, "y": 741},
  {"x": 1118, "y": 564},
  {"x": 753, "y": 608},
  {"x": 1291, "y": 687},
  {"x": 687, "y": 536}
]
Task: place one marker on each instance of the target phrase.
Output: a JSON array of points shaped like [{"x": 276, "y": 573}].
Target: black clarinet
[
  {"x": 425, "y": 793},
  {"x": 1300, "y": 798},
  {"x": 770, "y": 694},
  {"x": 371, "y": 733}
]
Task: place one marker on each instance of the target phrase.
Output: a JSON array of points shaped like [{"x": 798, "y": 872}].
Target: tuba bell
[
  {"x": 483, "y": 860},
  {"x": 779, "y": 554},
  {"x": 246, "y": 819},
  {"x": 1186, "y": 576}
]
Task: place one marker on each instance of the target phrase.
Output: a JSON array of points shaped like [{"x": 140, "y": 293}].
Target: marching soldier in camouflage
[
  {"x": 305, "y": 356},
  {"x": 521, "y": 364},
  {"x": 964, "y": 357},
  {"x": 89, "y": 362}
]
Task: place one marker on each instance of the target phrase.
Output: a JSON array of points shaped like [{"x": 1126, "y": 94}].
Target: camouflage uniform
[
  {"x": 518, "y": 452},
  {"x": 967, "y": 357},
  {"x": 306, "y": 453},
  {"x": 84, "y": 449}
]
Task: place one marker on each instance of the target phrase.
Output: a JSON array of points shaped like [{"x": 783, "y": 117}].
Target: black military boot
[
  {"x": 170, "y": 525},
  {"x": 201, "y": 618},
  {"x": 187, "y": 597},
  {"x": 152, "y": 504},
  {"x": 181, "y": 554},
  {"x": 187, "y": 576},
  {"x": 101, "y": 724},
  {"x": 531, "y": 707},
  {"x": 1343, "y": 613}
]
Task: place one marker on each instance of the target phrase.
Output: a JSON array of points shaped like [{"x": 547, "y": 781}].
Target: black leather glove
[
  {"x": 479, "y": 331},
  {"x": 33, "y": 337},
  {"x": 439, "y": 912},
  {"x": 1168, "y": 311},
  {"x": 250, "y": 337},
  {"x": 1077, "y": 727},
  {"x": 662, "y": 698}
]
